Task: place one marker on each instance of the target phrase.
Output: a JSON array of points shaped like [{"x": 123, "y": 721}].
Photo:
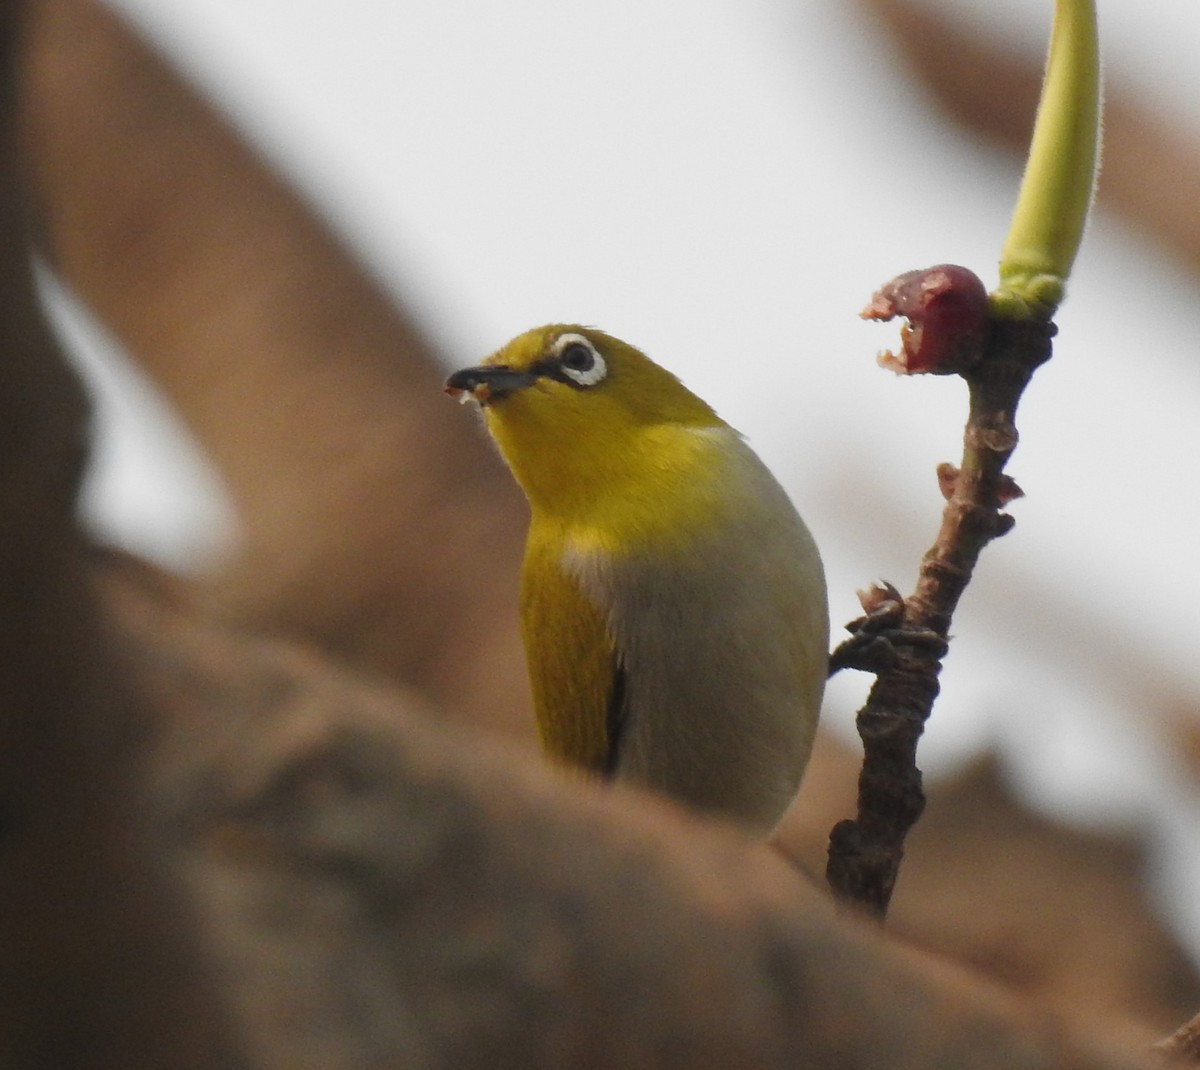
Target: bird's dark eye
[
  {"x": 579, "y": 361},
  {"x": 578, "y": 357}
]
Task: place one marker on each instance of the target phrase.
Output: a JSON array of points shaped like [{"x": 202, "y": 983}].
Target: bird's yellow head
[{"x": 576, "y": 411}]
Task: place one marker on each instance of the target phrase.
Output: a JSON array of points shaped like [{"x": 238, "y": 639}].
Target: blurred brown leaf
[{"x": 361, "y": 492}]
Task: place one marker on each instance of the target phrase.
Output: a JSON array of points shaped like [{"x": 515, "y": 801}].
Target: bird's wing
[
  {"x": 618, "y": 719},
  {"x": 574, "y": 669}
]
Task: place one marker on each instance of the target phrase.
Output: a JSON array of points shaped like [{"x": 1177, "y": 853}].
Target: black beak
[{"x": 488, "y": 382}]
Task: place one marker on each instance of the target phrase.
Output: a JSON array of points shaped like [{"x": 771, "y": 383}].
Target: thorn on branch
[
  {"x": 883, "y": 605},
  {"x": 1002, "y": 524},
  {"x": 947, "y": 475},
  {"x": 1006, "y": 489}
]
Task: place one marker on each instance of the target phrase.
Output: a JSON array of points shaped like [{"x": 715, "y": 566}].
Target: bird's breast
[{"x": 664, "y": 493}]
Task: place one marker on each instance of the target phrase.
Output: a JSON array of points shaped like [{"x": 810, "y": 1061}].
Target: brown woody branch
[{"x": 903, "y": 640}]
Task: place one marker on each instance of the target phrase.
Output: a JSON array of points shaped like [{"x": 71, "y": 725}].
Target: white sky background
[{"x": 725, "y": 189}]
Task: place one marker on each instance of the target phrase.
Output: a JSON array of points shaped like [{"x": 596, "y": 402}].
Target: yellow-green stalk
[{"x": 1056, "y": 191}]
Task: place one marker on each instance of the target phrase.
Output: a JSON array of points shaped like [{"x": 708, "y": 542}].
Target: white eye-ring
[{"x": 578, "y": 359}]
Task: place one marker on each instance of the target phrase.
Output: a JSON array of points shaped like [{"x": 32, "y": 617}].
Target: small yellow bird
[{"x": 672, "y": 601}]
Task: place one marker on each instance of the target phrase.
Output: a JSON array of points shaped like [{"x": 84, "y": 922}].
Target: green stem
[{"x": 1060, "y": 176}]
